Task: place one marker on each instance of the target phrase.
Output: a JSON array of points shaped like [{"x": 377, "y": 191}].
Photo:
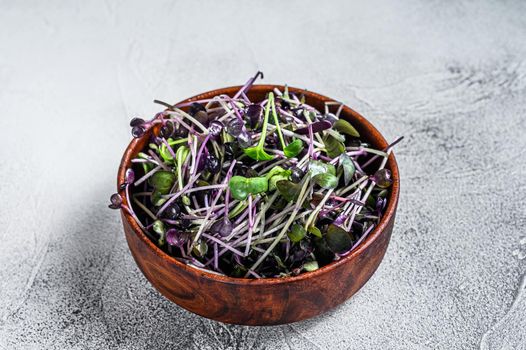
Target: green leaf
[
  {"x": 348, "y": 168},
  {"x": 276, "y": 174},
  {"x": 276, "y": 170},
  {"x": 157, "y": 199},
  {"x": 158, "y": 227},
  {"x": 288, "y": 189},
  {"x": 238, "y": 187},
  {"x": 162, "y": 181},
  {"x": 241, "y": 187},
  {"x": 165, "y": 153},
  {"x": 333, "y": 147},
  {"x": 311, "y": 266},
  {"x": 274, "y": 179},
  {"x": 318, "y": 167},
  {"x": 336, "y": 135},
  {"x": 186, "y": 200},
  {"x": 147, "y": 167},
  {"x": 296, "y": 233},
  {"x": 293, "y": 148},
  {"x": 226, "y": 137},
  {"x": 326, "y": 180},
  {"x": 181, "y": 154},
  {"x": 257, "y": 153},
  {"x": 279, "y": 261},
  {"x": 200, "y": 248},
  {"x": 370, "y": 202},
  {"x": 338, "y": 239},
  {"x": 345, "y": 127},
  {"x": 382, "y": 193},
  {"x": 314, "y": 231},
  {"x": 257, "y": 185}
]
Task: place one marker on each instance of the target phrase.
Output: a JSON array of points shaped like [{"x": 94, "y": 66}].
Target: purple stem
[
  {"x": 245, "y": 97},
  {"x": 227, "y": 202},
  {"x": 250, "y": 223},
  {"x": 384, "y": 150},
  {"x": 183, "y": 253},
  {"x": 177, "y": 194},
  {"x": 287, "y": 114},
  {"x": 147, "y": 175},
  {"x": 248, "y": 84},
  {"x": 185, "y": 165},
  {"x": 236, "y": 111},
  {"x": 223, "y": 251},
  {"x": 358, "y": 167},
  {"x": 214, "y": 201},
  {"x": 129, "y": 209},
  {"x": 223, "y": 244},
  {"x": 200, "y": 152},
  {"x": 216, "y": 260},
  {"x": 325, "y": 158},
  {"x": 170, "y": 149},
  {"x": 194, "y": 200},
  {"x": 245, "y": 213},
  {"x": 187, "y": 104},
  {"x": 350, "y": 154},
  {"x": 222, "y": 210},
  {"x": 201, "y": 188},
  {"x": 158, "y": 160},
  {"x": 141, "y": 160},
  {"x": 360, "y": 240},
  {"x": 311, "y": 139},
  {"x": 255, "y": 274},
  {"x": 180, "y": 121}
]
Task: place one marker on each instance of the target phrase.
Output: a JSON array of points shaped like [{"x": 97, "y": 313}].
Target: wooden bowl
[{"x": 269, "y": 301}]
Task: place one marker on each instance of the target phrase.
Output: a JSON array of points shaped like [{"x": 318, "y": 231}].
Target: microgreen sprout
[
  {"x": 255, "y": 188},
  {"x": 257, "y": 152}
]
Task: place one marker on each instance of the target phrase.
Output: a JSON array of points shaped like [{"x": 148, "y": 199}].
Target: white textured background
[{"x": 450, "y": 76}]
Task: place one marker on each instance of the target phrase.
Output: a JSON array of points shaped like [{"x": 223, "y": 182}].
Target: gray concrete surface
[{"x": 450, "y": 76}]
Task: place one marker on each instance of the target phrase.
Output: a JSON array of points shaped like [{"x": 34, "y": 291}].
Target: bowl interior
[{"x": 257, "y": 93}]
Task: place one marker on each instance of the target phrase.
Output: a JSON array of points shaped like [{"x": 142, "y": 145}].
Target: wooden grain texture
[{"x": 266, "y": 301}]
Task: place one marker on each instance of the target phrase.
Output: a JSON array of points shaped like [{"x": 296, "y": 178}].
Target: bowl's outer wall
[{"x": 264, "y": 302}]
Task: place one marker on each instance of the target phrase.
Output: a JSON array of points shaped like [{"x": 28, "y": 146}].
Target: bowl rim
[{"x": 374, "y": 235}]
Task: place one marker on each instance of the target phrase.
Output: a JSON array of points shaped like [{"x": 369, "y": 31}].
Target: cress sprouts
[{"x": 255, "y": 188}]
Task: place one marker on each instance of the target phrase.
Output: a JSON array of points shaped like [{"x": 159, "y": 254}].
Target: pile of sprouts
[{"x": 255, "y": 189}]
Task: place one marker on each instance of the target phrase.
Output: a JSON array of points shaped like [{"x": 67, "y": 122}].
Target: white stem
[
  {"x": 351, "y": 186},
  {"x": 147, "y": 175},
  {"x": 192, "y": 119},
  {"x": 314, "y": 214},
  {"x": 214, "y": 201},
  {"x": 278, "y": 238},
  {"x": 202, "y": 188}
]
